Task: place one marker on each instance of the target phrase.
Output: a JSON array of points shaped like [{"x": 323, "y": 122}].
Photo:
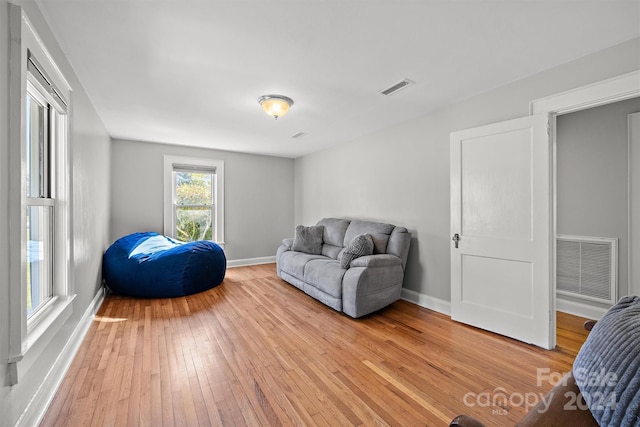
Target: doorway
[
  {"x": 606, "y": 92},
  {"x": 593, "y": 201}
]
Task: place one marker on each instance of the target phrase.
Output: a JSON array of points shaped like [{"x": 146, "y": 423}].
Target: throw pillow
[
  {"x": 361, "y": 245},
  {"x": 308, "y": 239}
]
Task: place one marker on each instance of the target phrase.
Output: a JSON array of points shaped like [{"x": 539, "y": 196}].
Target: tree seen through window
[{"x": 194, "y": 207}]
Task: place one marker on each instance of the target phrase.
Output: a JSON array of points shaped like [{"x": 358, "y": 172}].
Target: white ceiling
[{"x": 189, "y": 72}]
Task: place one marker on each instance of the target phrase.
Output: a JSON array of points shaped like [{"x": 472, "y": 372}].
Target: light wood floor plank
[{"x": 257, "y": 351}]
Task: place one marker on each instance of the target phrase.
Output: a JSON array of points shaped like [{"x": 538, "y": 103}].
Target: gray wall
[
  {"x": 592, "y": 155},
  {"x": 90, "y": 151},
  {"x": 258, "y": 195},
  {"x": 401, "y": 174}
]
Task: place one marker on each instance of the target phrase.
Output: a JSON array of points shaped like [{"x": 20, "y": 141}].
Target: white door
[{"x": 502, "y": 225}]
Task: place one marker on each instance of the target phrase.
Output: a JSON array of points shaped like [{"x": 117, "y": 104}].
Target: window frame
[
  {"x": 194, "y": 164},
  {"x": 28, "y": 338},
  {"x": 54, "y": 118}
]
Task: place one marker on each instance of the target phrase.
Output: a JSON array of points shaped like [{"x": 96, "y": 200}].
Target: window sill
[{"x": 40, "y": 335}]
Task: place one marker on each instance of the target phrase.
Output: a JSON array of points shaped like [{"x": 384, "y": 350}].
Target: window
[
  {"x": 40, "y": 288},
  {"x": 193, "y": 207},
  {"x": 194, "y": 199},
  {"x": 44, "y": 138},
  {"x": 40, "y": 205}
]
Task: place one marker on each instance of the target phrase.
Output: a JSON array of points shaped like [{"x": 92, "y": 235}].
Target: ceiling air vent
[
  {"x": 297, "y": 135},
  {"x": 396, "y": 87}
]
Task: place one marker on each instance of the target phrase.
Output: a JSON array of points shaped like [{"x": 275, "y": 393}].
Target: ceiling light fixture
[{"x": 275, "y": 105}]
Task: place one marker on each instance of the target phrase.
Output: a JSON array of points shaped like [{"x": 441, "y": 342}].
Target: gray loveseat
[{"x": 369, "y": 283}]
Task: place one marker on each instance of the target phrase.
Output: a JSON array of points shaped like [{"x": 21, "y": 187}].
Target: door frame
[
  {"x": 633, "y": 127},
  {"x": 620, "y": 88}
]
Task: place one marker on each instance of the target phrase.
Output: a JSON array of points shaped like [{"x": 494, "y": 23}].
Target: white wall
[
  {"x": 90, "y": 150},
  {"x": 258, "y": 195},
  {"x": 592, "y": 155},
  {"x": 401, "y": 174}
]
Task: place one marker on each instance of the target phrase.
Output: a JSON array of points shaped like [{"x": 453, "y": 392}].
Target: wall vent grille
[{"x": 586, "y": 268}]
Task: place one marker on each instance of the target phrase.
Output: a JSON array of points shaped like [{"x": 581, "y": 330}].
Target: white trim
[
  {"x": 579, "y": 309},
  {"x": 41, "y": 399},
  {"x": 58, "y": 78},
  {"x": 17, "y": 87},
  {"x": 444, "y": 307},
  {"x": 24, "y": 348},
  {"x": 600, "y": 93},
  {"x": 634, "y": 203},
  {"x": 39, "y": 337},
  {"x": 615, "y": 89},
  {"x": 251, "y": 261},
  {"x": 426, "y": 301}
]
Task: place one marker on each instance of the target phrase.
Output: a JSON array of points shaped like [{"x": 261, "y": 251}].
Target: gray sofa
[{"x": 369, "y": 283}]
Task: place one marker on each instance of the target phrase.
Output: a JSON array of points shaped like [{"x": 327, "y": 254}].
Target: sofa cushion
[
  {"x": 334, "y": 229},
  {"x": 308, "y": 239},
  {"x": 397, "y": 243},
  {"x": 293, "y": 263},
  {"x": 361, "y": 245},
  {"x": 326, "y": 275},
  {"x": 333, "y": 236},
  {"x": 331, "y": 251},
  {"x": 379, "y": 233}
]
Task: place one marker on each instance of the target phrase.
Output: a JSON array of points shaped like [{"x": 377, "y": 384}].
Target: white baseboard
[
  {"x": 426, "y": 301},
  {"x": 444, "y": 307},
  {"x": 39, "y": 403},
  {"x": 250, "y": 261},
  {"x": 580, "y": 309}
]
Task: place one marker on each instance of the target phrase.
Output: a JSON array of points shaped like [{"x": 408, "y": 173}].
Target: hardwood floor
[{"x": 257, "y": 351}]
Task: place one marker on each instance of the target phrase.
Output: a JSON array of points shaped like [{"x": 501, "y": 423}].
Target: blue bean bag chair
[{"x": 150, "y": 265}]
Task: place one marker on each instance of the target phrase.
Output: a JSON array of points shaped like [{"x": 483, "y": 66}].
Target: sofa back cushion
[
  {"x": 398, "y": 245},
  {"x": 379, "y": 233},
  {"x": 333, "y": 237}
]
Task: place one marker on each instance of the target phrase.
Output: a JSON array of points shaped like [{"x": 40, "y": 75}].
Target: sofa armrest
[
  {"x": 372, "y": 282},
  {"x": 465, "y": 421},
  {"x": 589, "y": 324},
  {"x": 283, "y": 248},
  {"x": 381, "y": 260},
  {"x": 288, "y": 243}
]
